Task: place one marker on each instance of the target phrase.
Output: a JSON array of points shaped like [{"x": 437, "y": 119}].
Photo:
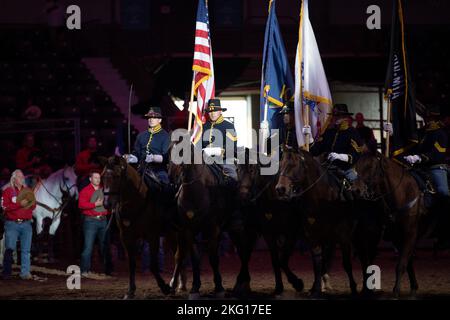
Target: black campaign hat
[
  {"x": 340, "y": 109},
  {"x": 214, "y": 105},
  {"x": 154, "y": 112}
]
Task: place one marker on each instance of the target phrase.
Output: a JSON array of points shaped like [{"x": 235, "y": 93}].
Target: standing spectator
[
  {"x": 18, "y": 204},
  {"x": 366, "y": 133},
  {"x": 95, "y": 224},
  {"x": 87, "y": 162},
  {"x": 29, "y": 156}
]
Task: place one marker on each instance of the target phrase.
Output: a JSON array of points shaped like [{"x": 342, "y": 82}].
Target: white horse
[{"x": 50, "y": 200}]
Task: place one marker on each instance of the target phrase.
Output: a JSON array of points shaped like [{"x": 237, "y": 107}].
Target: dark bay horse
[
  {"x": 205, "y": 207},
  {"x": 390, "y": 186},
  {"x": 137, "y": 212},
  {"x": 326, "y": 219},
  {"x": 277, "y": 221}
]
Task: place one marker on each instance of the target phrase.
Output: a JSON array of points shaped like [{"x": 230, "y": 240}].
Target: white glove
[
  {"x": 413, "y": 159},
  {"x": 213, "y": 151},
  {"x": 149, "y": 158},
  {"x": 131, "y": 158},
  {"x": 306, "y": 130},
  {"x": 387, "y": 127},
  {"x": 14, "y": 199},
  {"x": 338, "y": 156},
  {"x": 157, "y": 158}
]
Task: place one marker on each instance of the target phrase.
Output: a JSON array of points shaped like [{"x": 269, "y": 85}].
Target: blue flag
[{"x": 276, "y": 78}]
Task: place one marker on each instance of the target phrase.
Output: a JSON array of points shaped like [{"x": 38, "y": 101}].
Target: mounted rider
[
  {"x": 430, "y": 153},
  {"x": 341, "y": 143},
  {"x": 288, "y": 136},
  {"x": 226, "y": 148},
  {"x": 151, "y": 151}
]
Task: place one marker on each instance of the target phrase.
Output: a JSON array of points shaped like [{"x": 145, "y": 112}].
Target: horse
[
  {"x": 137, "y": 213},
  {"x": 205, "y": 206},
  {"x": 325, "y": 218},
  {"x": 389, "y": 185},
  {"x": 274, "y": 219}
]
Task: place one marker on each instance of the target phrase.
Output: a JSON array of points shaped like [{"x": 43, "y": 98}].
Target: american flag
[{"x": 204, "y": 87}]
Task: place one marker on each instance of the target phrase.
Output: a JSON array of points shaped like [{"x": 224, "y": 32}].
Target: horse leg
[
  {"x": 213, "y": 250},
  {"x": 154, "y": 263},
  {"x": 53, "y": 227},
  {"x": 412, "y": 278},
  {"x": 316, "y": 253},
  {"x": 347, "y": 264},
  {"x": 405, "y": 255},
  {"x": 327, "y": 261},
  {"x": 180, "y": 256},
  {"x": 286, "y": 253},
  {"x": 130, "y": 245},
  {"x": 196, "y": 281},
  {"x": 244, "y": 242},
  {"x": 271, "y": 243}
]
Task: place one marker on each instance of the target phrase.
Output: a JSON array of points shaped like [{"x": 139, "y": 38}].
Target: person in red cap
[
  {"x": 90, "y": 203},
  {"x": 18, "y": 211}
]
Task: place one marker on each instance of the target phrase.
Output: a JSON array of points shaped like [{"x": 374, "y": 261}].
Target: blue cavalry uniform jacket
[
  {"x": 228, "y": 132},
  {"x": 156, "y": 141},
  {"x": 344, "y": 139},
  {"x": 433, "y": 146}
]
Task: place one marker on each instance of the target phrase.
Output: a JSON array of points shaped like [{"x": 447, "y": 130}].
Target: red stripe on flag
[
  {"x": 202, "y": 49},
  {"x": 202, "y": 34},
  {"x": 202, "y": 64}
]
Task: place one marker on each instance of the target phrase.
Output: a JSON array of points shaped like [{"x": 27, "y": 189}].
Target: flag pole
[
  {"x": 266, "y": 109},
  {"x": 191, "y": 101},
  {"x": 388, "y": 136}
]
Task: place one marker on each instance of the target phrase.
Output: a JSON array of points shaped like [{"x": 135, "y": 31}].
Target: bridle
[
  {"x": 298, "y": 182},
  {"x": 62, "y": 204}
]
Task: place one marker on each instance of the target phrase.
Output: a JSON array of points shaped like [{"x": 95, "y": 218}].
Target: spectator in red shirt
[
  {"x": 18, "y": 216},
  {"x": 28, "y": 156},
  {"x": 86, "y": 162},
  {"x": 95, "y": 224}
]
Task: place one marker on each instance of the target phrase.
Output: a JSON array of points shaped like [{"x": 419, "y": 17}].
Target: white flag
[{"x": 311, "y": 85}]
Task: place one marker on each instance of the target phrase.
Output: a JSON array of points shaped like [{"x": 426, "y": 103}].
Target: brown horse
[
  {"x": 325, "y": 218},
  {"x": 389, "y": 185},
  {"x": 277, "y": 221},
  {"x": 138, "y": 215},
  {"x": 205, "y": 207}
]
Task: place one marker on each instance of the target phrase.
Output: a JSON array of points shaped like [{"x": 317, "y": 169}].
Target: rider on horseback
[
  {"x": 150, "y": 151},
  {"x": 342, "y": 143},
  {"x": 288, "y": 131},
  {"x": 217, "y": 126},
  {"x": 430, "y": 152}
]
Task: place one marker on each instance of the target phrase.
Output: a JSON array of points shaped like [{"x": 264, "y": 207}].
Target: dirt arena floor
[{"x": 433, "y": 275}]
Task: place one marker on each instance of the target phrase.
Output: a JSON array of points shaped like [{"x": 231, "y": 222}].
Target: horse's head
[
  {"x": 113, "y": 177},
  {"x": 369, "y": 169},
  {"x": 293, "y": 173},
  {"x": 69, "y": 182}
]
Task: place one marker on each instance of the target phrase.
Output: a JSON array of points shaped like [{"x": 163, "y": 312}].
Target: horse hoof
[
  {"x": 166, "y": 289},
  {"x": 194, "y": 296},
  {"x": 129, "y": 296},
  {"x": 242, "y": 290},
  {"x": 298, "y": 285},
  {"x": 181, "y": 289},
  {"x": 315, "y": 294}
]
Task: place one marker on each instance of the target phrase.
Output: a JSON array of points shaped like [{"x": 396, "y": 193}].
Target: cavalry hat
[
  {"x": 154, "y": 112},
  {"x": 287, "y": 108},
  {"x": 214, "y": 105},
  {"x": 433, "y": 110},
  {"x": 28, "y": 195},
  {"x": 340, "y": 109}
]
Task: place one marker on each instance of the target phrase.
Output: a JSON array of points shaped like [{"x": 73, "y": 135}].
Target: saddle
[
  {"x": 339, "y": 180},
  {"x": 217, "y": 172},
  {"x": 425, "y": 185}
]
